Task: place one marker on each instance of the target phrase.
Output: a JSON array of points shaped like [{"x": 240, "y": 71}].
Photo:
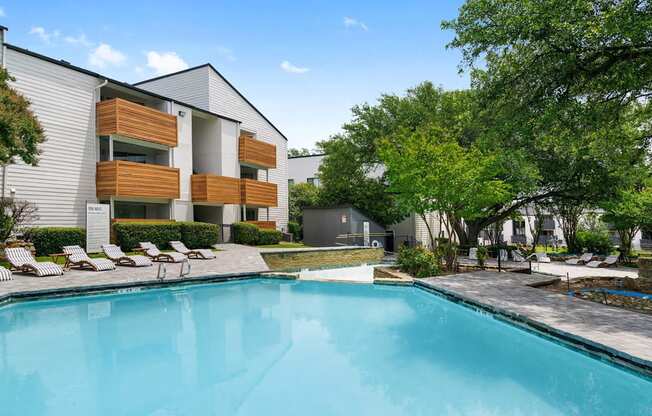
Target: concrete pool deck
[
  {"x": 232, "y": 259},
  {"x": 624, "y": 336}
]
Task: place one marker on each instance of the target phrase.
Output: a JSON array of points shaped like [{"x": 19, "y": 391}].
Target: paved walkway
[
  {"x": 560, "y": 269},
  {"x": 232, "y": 259},
  {"x": 618, "y": 332},
  {"x": 357, "y": 274}
]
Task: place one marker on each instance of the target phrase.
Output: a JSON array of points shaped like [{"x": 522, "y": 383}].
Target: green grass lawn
[{"x": 283, "y": 245}]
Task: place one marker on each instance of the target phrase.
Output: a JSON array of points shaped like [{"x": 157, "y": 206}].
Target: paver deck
[
  {"x": 622, "y": 334},
  {"x": 560, "y": 269},
  {"x": 232, "y": 259}
]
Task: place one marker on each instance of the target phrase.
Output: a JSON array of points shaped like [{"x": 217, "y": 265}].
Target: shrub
[
  {"x": 244, "y": 233},
  {"x": 49, "y": 240},
  {"x": 418, "y": 262},
  {"x": 594, "y": 241},
  {"x": 295, "y": 229},
  {"x": 129, "y": 234},
  {"x": 267, "y": 237},
  {"x": 482, "y": 255},
  {"x": 199, "y": 234}
]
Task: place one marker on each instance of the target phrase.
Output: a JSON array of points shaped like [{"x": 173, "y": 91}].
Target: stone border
[
  {"x": 619, "y": 359},
  {"x": 76, "y": 291}
]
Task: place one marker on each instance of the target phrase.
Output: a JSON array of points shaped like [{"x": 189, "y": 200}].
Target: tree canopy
[{"x": 20, "y": 131}]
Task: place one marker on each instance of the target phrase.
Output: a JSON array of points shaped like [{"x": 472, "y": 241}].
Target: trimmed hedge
[
  {"x": 199, "y": 234},
  {"x": 295, "y": 229},
  {"x": 193, "y": 234},
  {"x": 49, "y": 240},
  {"x": 128, "y": 235},
  {"x": 251, "y": 235},
  {"x": 418, "y": 262}
]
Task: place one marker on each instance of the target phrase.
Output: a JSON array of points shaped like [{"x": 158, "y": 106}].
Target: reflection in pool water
[{"x": 292, "y": 348}]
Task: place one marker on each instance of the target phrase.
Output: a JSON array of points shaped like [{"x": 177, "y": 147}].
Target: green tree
[
  {"x": 292, "y": 152},
  {"x": 20, "y": 131},
  {"x": 302, "y": 195},
  {"x": 627, "y": 212}
]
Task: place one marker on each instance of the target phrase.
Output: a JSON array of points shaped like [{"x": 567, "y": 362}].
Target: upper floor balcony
[
  {"x": 121, "y": 178},
  {"x": 258, "y": 194},
  {"x": 257, "y": 154},
  {"x": 215, "y": 189},
  {"x": 125, "y": 118}
]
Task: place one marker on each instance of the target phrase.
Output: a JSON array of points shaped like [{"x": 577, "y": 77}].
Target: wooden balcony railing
[
  {"x": 123, "y": 178},
  {"x": 270, "y": 225},
  {"x": 122, "y": 117},
  {"x": 215, "y": 189},
  {"x": 258, "y": 194},
  {"x": 255, "y": 153}
]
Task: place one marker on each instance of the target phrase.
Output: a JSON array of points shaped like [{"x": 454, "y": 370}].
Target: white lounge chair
[
  {"x": 77, "y": 257},
  {"x": 473, "y": 253},
  {"x": 609, "y": 261},
  {"x": 5, "y": 274},
  {"x": 22, "y": 260},
  {"x": 583, "y": 259},
  {"x": 503, "y": 254},
  {"x": 157, "y": 255},
  {"x": 115, "y": 254},
  {"x": 201, "y": 253},
  {"x": 539, "y": 257},
  {"x": 517, "y": 256}
]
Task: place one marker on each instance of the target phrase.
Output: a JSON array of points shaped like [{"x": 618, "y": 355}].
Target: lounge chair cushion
[
  {"x": 584, "y": 258},
  {"x": 517, "y": 257},
  {"x": 609, "y": 261},
  {"x": 152, "y": 251},
  {"x": 202, "y": 252},
  {"x": 5, "y": 274},
  {"x": 22, "y": 259},
  {"x": 116, "y": 254},
  {"x": 78, "y": 255}
]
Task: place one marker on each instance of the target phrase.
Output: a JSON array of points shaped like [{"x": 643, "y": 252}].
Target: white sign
[
  {"x": 98, "y": 226},
  {"x": 365, "y": 233}
]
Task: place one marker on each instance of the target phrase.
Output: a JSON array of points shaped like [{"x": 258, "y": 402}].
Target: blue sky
[{"x": 303, "y": 63}]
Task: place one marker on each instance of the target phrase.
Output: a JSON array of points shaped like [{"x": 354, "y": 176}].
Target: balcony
[
  {"x": 258, "y": 194},
  {"x": 130, "y": 179},
  {"x": 215, "y": 189},
  {"x": 124, "y": 118},
  {"x": 257, "y": 154},
  {"x": 268, "y": 225}
]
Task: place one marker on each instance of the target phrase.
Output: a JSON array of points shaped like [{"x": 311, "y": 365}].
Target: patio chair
[
  {"x": 157, "y": 255},
  {"x": 77, "y": 257},
  {"x": 116, "y": 255},
  {"x": 473, "y": 253},
  {"x": 583, "y": 259},
  {"x": 609, "y": 261},
  {"x": 502, "y": 253},
  {"x": 517, "y": 256},
  {"x": 539, "y": 257},
  {"x": 5, "y": 274},
  {"x": 22, "y": 260},
  {"x": 201, "y": 253}
]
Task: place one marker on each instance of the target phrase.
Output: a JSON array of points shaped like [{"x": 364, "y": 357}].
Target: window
[
  {"x": 290, "y": 182},
  {"x": 248, "y": 173},
  {"x": 518, "y": 227},
  {"x": 313, "y": 181},
  {"x": 252, "y": 214}
]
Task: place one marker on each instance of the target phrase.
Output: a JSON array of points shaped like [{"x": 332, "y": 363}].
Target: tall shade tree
[
  {"x": 627, "y": 212},
  {"x": 20, "y": 131}
]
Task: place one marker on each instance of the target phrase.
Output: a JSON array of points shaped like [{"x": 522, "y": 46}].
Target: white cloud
[
  {"x": 79, "y": 40},
  {"x": 105, "y": 55},
  {"x": 226, "y": 53},
  {"x": 351, "y": 22},
  {"x": 2, "y": 12},
  {"x": 44, "y": 35},
  {"x": 165, "y": 62},
  {"x": 288, "y": 67}
]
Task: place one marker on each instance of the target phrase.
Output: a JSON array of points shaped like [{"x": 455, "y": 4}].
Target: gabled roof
[
  {"x": 132, "y": 87},
  {"x": 300, "y": 156},
  {"x": 225, "y": 80}
]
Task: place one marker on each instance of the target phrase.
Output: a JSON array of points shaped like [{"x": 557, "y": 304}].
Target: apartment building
[{"x": 186, "y": 146}]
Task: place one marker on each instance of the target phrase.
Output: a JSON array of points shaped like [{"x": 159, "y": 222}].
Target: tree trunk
[{"x": 432, "y": 238}]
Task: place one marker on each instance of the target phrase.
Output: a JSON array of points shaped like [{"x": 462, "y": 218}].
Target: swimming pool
[{"x": 266, "y": 347}]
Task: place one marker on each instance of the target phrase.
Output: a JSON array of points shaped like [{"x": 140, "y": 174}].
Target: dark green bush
[
  {"x": 267, "y": 237},
  {"x": 129, "y": 234},
  {"x": 594, "y": 242},
  {"x": 418, "y": 262},
  {"x": 244, "y": 233},
  {"x": 199, "y": 234},
  {"x": 49, "y": 240},
  {"x": 295, "y": 229}
]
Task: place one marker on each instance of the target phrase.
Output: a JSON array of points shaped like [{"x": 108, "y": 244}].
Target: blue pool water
[{"x": 292, "y": 348}]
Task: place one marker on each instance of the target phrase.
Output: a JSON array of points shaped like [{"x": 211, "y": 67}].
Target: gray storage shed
[{"x": 337, "y": 226}]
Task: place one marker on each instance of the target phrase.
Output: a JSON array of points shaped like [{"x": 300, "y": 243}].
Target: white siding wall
[
  {"x": 224, "y": 100},
  {"x": 182, "y": 159},
  {"x": 63, "y": 100},
  {"x": 302, "y": 168}
]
